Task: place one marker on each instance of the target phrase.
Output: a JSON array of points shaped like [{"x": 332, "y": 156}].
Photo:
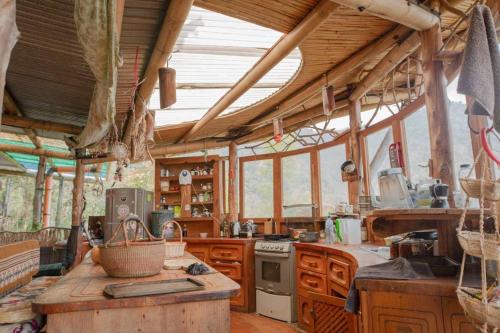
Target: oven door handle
[{"x": 272, "y": 255}]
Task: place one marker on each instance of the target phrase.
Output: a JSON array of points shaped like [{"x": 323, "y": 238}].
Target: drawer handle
[
  {"x": 225, "y": 271},
  {"x": 313, "y": 284},
  {"x": 312, "y": 264},
  {"x": 226, "y": 254}
]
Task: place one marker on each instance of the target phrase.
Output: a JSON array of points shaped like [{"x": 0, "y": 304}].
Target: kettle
[{"x": 439, "y": 193}]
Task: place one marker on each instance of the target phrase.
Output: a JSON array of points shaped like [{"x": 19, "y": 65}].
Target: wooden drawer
[
  {"x": 238, "y": 300},
  {"x": 232, "y": 271},
  {"x": 305, "y": 309},
  {"x": 336, "y": 290},
  {"x": 311, "y": 281},
  {"x": 199, "y": 251},
  {"x": 226, "y": 252},
  {"x": 311, "y": 261},
  {"x": 339, "y": 272}
]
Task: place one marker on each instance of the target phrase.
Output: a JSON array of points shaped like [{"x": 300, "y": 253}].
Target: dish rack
[{"x": 480, "y": 244}]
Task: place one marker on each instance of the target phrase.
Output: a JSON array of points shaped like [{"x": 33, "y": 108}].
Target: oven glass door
[{"x": 273, "y": 272}]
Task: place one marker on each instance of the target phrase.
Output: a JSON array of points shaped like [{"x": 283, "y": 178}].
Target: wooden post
[
  {"x": 186, "y": 200},
  {"x": 60, "y": 197},
  {"x": 354, "y": 145},
  {"x": 232, "y": 181},
  {"x": 441, "y": 166},
  {"x": 37, "y": 199},
  {"x": 478, "y": 122},
  {"x": 75, "y": 239},
  {"x": 278, "y": 195}
]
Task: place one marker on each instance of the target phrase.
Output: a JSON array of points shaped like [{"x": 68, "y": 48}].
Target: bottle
[
  {"x": 184, "y": 231},
  {"x": 221, "y": 229},
  {"x": 329, "y": 231},
  {"x": 236, "y": 229}
]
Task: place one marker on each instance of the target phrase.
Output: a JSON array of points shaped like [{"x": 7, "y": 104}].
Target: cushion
[{"x": 18, "y": 263}]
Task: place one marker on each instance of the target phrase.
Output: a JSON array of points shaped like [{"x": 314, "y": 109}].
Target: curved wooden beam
[{"x": 278, "y": 52}]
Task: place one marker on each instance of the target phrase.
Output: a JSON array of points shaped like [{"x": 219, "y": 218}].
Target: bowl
[{"x": 203, "y": 234}]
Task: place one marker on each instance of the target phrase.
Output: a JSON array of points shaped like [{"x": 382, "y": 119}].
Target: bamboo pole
[
  {"x": 401, "y": 11},
  {"x": 441, "y": 166},
  {"x": 278, "y": 52},
  {"x": 30, "y": 123},
  {"x": 173, "y": 22},
  {"x": 355, "y": 151},
  {"x": 350, "y": 64},
  {"x": 36, "y": 151},
  {"x": 387, "y": 64},
  {"x": 75, "y": 239},
  {"x": 233, "y": 184},
  {"x": 37, "y": 199},
  {"x": 180, "y": 148},
  {"x": 60, "y": 197}
]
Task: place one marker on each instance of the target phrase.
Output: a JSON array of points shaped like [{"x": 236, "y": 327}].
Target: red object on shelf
[{"x": 396, "y": 155}]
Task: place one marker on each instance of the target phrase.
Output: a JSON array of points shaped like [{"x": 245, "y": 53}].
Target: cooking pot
[{"x": 309, "y": 237}]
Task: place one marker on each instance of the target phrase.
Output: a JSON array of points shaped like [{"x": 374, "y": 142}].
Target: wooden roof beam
[
  {"x": 30, "y": 123},
  {"x": 181, "y": 148},
  {"x": 274, "y": 55},
  {"x": 386, "y": 65},
  {"x": 36, "y": 151},
  {"x": 401, "y": 11},
  {"x": 350, "y": 64},
  {"x": 173, "y": 22}
]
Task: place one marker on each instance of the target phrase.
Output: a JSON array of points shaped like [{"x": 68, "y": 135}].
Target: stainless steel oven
[{"x": 275, "y": 279}]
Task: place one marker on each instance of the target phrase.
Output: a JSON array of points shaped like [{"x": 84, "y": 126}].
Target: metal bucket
[{"x": 158, "y": 218}]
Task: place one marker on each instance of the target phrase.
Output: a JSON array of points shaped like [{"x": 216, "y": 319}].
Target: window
[
  {"x": 258, "y": 188},
  {"x": 418, "y": 144},
  {"x": 333, "y": 189},
  {"x": 296, "y": 175},
  {"x": 377, "y": 145}
]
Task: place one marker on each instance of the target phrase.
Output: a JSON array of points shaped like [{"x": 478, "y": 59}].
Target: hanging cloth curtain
[
  {"x": 8, "y": 38},
  {"x": 95, "y": 26},
  {"x": 480, "y": 75}
]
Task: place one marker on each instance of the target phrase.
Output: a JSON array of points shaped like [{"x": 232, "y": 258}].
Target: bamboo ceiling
[{"x": 49, "y": 78}]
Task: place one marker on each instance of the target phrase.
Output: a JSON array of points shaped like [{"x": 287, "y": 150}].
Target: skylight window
[{"x": 212, "y": 53}]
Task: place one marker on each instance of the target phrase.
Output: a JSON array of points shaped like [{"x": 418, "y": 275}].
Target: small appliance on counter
[
  {"x": 394, "y": 189},
  {"x": 439, "y": 193}
]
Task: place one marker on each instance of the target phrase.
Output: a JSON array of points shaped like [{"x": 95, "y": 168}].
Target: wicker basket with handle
[
  {"x": 135, "y": 258},
  {"x": 174, "y": 249}
]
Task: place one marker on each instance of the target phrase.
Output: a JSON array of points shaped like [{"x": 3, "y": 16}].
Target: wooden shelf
[
  {"x": 202, "y": 203},
  {"x": 197, "y": 177},
  {"x": 193, "y": 219},
  {"x": 170, "y": 192}
]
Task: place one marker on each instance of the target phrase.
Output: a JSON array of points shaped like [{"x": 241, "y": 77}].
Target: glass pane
[
  {"x": 258, "y": 188},
  {"x": 296, "y": 173},
  {"x": 271, "y": 271},
  {"x": 377, "y": 145},
  {"x": 418, "y": 143},
  {"x": 333, "y": 189}
]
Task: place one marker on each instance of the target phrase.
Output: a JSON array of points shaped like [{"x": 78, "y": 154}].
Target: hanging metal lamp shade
[{"x": 166, "y": 78}]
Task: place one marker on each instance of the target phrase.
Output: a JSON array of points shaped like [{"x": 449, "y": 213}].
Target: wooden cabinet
[
  {"x": 413, "y": 313},
  {"x": 235, "y": 259},
  {"x": 320, "y": 279}
]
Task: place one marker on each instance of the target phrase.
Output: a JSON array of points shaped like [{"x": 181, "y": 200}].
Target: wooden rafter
[
  {"x": 181, "y": 148},
  {"x": 30, "y": 123},
  {"x": 350, "y": 64},
  {"x": 36, "y": 151},
  {"x": 278, "y": 52},
  {"x": 173, "y": 22}
]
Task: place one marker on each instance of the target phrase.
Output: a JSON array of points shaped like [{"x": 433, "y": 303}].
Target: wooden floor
[{"x": 253, "y": 323}]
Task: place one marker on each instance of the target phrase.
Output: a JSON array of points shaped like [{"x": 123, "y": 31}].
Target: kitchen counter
[
  {"x": 219, "y": 240},
  {"x": 359, "y": 254},
  {"x": 77, "y": 304}
]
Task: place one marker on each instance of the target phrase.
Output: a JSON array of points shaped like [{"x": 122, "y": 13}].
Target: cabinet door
[
  {"x": 311, "y": 261},
  {"x": 305, "y": 310},
  {"x": 455, "y": 320},
  {"x": 339, "y": 274},
  {"x": 329, "y": 315},
  {"x": 199, "y": 251},
  {"x": 231, "y": 270}
]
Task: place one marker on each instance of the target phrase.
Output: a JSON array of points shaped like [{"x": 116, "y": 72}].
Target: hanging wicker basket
[
  {"x": 471, "y": 244},
  {"x": 472, "y": 187},
  {"x": 174, "y": 249},
  {"x": 473, "y": 307},
  {"x": 137, "y": 258}
]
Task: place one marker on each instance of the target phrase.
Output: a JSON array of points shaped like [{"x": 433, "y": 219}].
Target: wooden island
[{"x": 77, "y": 304}]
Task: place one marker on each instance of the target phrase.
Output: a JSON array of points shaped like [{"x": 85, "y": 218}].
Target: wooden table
[
  {"x": 387, "y": 222},
  {"x": 77, "y": 304}
]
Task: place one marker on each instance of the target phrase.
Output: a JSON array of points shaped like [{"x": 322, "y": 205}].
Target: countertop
[
  {"x": 221, "y": 240},
  {"x": 82, "y": 289},
  {"x": 358, "y": 253},
  {"x": 433, "y": 287}
]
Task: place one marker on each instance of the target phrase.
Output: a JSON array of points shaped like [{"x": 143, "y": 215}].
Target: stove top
[
  {"x": 276, "y": 237},
  {"x": 282, "y": 245}
]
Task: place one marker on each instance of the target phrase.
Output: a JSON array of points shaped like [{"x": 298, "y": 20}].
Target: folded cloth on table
[
  {"x": 397, "y": 269},
  {"x": 480, "y": 74}
]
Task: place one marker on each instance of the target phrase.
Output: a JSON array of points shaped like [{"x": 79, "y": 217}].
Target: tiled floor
[{"x": 253, "y": 323}]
